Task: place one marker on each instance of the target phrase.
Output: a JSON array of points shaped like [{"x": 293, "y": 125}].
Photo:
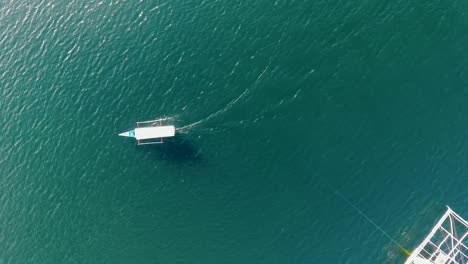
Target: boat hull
[
  {"x": 147, "y": 131},
  {"x": 127, "y": 134}
]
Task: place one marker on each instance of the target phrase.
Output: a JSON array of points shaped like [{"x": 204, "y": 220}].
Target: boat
[
  {"x": 447, "y": 243},
  {"x": 150, "y": 132}
]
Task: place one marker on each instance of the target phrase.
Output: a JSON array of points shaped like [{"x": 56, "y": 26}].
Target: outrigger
[
  {"x": 146, "y": 131},
  {"x": 447, "y": 243}
]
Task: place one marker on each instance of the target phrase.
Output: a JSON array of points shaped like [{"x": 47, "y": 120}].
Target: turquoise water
[{"x": 274, "y": 102}]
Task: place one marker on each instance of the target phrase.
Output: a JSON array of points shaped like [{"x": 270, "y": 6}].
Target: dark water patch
[{"x": 178, "y": 149}]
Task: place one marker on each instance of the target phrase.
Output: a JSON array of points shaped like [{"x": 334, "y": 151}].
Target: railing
[{"x": 447, "y": 243}]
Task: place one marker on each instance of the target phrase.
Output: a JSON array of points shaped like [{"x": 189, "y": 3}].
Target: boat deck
[
  {"x": 447, "y": 243},
  {"x": 142, "y": 133}
]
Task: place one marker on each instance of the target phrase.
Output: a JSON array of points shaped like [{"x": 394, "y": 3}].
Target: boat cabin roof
[{"x": 154, "y": 132}]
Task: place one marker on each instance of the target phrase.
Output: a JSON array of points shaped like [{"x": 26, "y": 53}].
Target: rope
[{"x": 337, "y": 193}]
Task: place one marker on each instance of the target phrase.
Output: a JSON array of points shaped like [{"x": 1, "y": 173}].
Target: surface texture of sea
[{"x": 275, "y": 102}]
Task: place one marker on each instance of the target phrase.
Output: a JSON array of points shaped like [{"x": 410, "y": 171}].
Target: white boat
[{"x": 147, "y": 131}]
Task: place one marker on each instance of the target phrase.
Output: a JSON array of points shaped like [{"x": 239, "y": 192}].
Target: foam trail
[{"x": 230, "y": 104}]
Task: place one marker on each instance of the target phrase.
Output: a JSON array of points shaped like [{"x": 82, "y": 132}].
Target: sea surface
[{"x": 281, "y": 107}]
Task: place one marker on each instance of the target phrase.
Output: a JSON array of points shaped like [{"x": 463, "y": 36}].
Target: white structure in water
[
  {"x": 147, "y": 131},
  {"x": 447, "y": 243}
]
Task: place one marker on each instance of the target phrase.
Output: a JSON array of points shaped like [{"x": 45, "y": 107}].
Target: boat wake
[{"x": 229, "y": 105}]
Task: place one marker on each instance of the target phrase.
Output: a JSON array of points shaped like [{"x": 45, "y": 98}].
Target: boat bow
[{"x": 127, "y": 134}]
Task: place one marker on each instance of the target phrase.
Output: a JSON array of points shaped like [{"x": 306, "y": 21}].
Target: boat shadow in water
[{"x": 176, "y": 148}]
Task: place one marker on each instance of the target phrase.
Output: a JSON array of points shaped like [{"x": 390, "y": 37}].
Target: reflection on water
[{"x": 177, "y": 148}]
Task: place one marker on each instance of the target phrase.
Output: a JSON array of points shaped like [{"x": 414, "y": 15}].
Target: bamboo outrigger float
[
  {"x": 150, "y": 132},
  {"x": 447, "y": 243}
]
